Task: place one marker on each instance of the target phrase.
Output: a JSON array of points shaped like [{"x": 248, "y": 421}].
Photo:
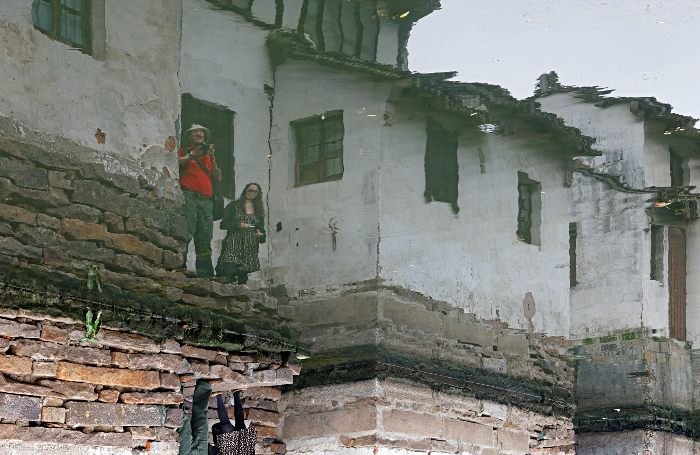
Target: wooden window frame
[
  {"x": 531, "y": 235},
  {"x": 321, "y": 149},
  {"x": 58, "y": 9}
]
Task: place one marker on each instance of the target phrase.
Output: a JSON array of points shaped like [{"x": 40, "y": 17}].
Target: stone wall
[
  {"x": 120, "y": 390},
  {"x": 396, "y": 415},
  {"x": 67, "y": 208}
]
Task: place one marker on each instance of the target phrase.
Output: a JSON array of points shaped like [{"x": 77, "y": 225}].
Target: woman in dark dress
[{"x": 244, "y": 219}]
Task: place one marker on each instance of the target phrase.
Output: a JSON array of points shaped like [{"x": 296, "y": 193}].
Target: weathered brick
[
  {"x": 120, "y": 359},
  {"x": 53, "y": 415},
  {"x": 265, "y": 432},
  {"x": 57, "y": 257},
  {"x": 278, "y": 447},
  {"x": 17, "y": 214},
  {"x": 228, "y": 375},
  {"x": 61, "y": 436},
  {"x": 151, "y": 398},
  {"x": 26, "y": 314},
  {"x": 513, "y": 440},
  {"x": 16, "y": 407},
  {"x": 198, "y": 286},
  {"x": 48, "y": 222},
  {"x": 153, "y": 434},
  {"x": 173, "y": 418},
  {"x": 44, "y": 369},
  {"x": 39, "y": 350},
  {"x": 198, "y": 353},
  {"x": 172, "y": 260},
  {"x": 178, "y": 227},
  {"x": 169, "y": 381},
  {"x": 52, "y": 402},
  {"x": 284, "y": 376},
  {"x": 169, "y": 346},
  {"x": 205, "y": 302},
  {"x": 264, "y": 393},
  {"x": 199, "y": 368},
  {"x": 114, "y": 222},
  {"x": 264, "y": 418},
  {"x": 59, "y": 335},
  {"x": 131, "y": 282},
  {"x": 135, "y": 225},
  {"x": 76, "y": 212},
  {"x": 108, "y": 376},
  {"x": 227, "y": 290},
  {"x": 112, "y": 414},
  {"x": 15, "y": 365},
  {"x": 468, "y": 432},
  {"x": 411, "y": 423},
  {"x": 79, "y": 230},
  {"x": 166, "y": 362},
  {"x": 4, "y": 345},
  {"x": 88, "y": 251},
  {"x": 58, "y": 179},
  {"x": 70, "y": 390},
  {"x": 14, "y": 329},
  {"x": 329, "y": 423},
  {"x": 265, "y": 405},
  {"x": 11, "y": 247},
  {"x": 263, "y": 377},
  {"x": 108, "y": 395},
  {"x": 6, "y": 229},
  {"x": 23, "y": 175},
  {"x": 21, "y": 388},
  {"x": 127, "y": 341}
]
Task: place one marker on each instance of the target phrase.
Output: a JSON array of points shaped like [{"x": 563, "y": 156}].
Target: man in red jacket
[{"x": 197, "y": 170}]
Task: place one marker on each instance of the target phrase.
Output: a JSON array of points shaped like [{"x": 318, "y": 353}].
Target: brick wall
[{"x": 121, "y": 391}]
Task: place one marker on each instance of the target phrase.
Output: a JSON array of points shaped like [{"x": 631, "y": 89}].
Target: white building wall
[
  {"x": 474, "y": 259},
  {"x": 131, "y": 94},
  {"x": 301, "y": 253}
]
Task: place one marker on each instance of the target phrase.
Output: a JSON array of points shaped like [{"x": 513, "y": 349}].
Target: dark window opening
[
  {"x": 441, "y": 167},
  {"x": 67, "y": 21},
  {"x": 677, "y": 174},
  {"x": 350, "y": 27},
  {"x": 219, "y": 120},
  {"x": 319, "y": 148},
  {"x": 657, "y": 253},
  {"x": 573, "y": 233},
  {"x": 529, "y": 207}
]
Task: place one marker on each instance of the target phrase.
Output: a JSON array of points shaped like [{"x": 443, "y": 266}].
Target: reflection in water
[{"x": 468, "y": 270}]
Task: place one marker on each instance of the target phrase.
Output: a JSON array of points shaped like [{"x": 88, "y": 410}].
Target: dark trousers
[
  {"x": 224, "y": 424},
  {"x": 194, "y": 434},
  {"x": 200, "y": 227}
]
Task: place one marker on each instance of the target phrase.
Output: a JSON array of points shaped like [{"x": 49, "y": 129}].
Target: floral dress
[{"x": 239, "y": 250}]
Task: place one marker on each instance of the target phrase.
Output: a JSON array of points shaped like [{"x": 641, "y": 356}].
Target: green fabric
[
  {"x": 200, "y": 227},
  {"x": 194, "y": 434}
]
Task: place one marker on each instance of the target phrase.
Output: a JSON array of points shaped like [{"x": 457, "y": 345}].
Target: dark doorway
[
  {"x": 676, "y": 283},
  {"x": 441, "y": 167},
  {"x": 219, "y": 120}
]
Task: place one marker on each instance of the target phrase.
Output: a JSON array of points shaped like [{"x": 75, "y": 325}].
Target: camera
[{"x": 204, "y": 147}]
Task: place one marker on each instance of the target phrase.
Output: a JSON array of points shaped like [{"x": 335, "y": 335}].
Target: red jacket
[{"x": 192, "y": 177}]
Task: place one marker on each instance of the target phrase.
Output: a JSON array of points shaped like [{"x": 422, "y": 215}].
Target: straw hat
[{"x": 207, "y": 135}]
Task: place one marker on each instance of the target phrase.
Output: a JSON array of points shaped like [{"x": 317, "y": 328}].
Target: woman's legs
[
  {"x": 225, "y": 423},
  {"x": 242, "y": 277},
  {"x": 238, "y": 411}
]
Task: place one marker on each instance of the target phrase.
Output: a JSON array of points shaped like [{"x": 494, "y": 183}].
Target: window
[
  {"x": 67, "y": 21},
  {"x": 441, "y": 167},
  {"x": 350, "y": 27},
  {"x": 678, "y": 163},
  {"x": 529, "y": 209},
  {"x": 657, "y": 253},
  {"x": 319, "y": 148},
  {"x": 573, "y": 233},
  {"x": 219, "y": 120}
]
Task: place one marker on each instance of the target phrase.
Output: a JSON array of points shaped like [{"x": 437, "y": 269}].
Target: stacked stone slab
[{"x": 122, "y": 390}]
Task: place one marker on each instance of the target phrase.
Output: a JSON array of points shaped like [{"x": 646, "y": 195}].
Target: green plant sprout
[
  {"x": 94, "y": 277},
  {"x": 92, "y": 328}
]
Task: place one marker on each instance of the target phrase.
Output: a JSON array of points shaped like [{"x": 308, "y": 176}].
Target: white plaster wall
[
  {"x": 302, "y": 254},
  {"x": 235, "y": 54},
  {"x": 132, "y": 96},
  {"x": 692, "y": 235},
  {"x": 619, "y": 134},
  {"x": 474, "y": 260},
  {"x": 388, "y": 41},
  {"x": 613, "y": 263}
]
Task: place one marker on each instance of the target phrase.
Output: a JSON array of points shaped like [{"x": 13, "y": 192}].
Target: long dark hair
[{"x": 258, "y": 208}]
